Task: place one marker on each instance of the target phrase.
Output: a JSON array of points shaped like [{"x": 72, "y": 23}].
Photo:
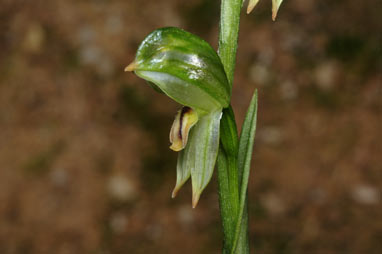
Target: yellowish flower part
[
  {"x": 184, "y": 120},
  {"x": 131, "y": 67},
  {"x": 251, "y": 5}
]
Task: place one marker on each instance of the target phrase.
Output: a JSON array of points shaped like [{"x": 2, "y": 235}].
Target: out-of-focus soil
[{"x": 84, "y": 159}]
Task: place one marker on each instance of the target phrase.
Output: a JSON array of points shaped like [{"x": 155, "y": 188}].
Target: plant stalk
[
  {"x": 228, "y": 35},
  {"x": 228, "y": 170}
]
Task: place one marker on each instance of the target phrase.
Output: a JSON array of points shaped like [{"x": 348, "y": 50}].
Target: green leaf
[
  {"x": 242, "y": 246},
  {"x": 184, "y": 67},
  {"x": 246, "y": 141}
]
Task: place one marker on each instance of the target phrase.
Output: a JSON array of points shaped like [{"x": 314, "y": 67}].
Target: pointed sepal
[
  {"x": 251, "y": 5},
  {"x": 185, "y": 162},
  {"x": 205, "y": 149},
  {"x": 275, "y": 8}
]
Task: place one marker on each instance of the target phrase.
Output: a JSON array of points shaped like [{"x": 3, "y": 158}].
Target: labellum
[{"x": 184, "y": 120}]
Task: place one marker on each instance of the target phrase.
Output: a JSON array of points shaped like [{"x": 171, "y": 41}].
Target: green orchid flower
[{"x": 188, "y": 70}]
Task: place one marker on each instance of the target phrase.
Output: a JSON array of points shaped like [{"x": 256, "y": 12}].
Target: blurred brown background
[{"x": 84, "y": 159}]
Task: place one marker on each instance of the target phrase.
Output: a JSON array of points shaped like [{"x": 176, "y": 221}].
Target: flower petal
[
  {"x": 199, "y": 156},
  {"x": 251, "y": 5},
  {"x": 205, "y": 147},
  {"x": 275, "y": 8},
  {"x": 184, "y": 67},
  {"x": 184, "y": 120}
]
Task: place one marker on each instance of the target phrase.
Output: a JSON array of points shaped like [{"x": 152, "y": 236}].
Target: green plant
[{"x": 188, "y": 70}]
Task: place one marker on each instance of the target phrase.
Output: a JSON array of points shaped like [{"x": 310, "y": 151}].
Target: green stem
[
  {"x": 228, "y": 35},
  {"x": 228, "y": 178},
  {"x": 228, "y": 172}
]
